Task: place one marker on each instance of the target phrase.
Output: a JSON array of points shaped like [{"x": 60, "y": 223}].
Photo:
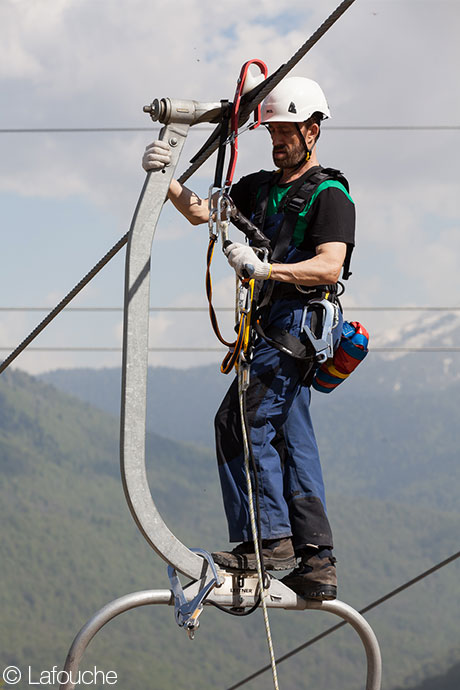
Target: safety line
[
  {"x": 255, "y": 535},
  {"x": 367, "y": 608}
]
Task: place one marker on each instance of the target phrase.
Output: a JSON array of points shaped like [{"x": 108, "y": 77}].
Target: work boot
[
  {"x": 278, "y": 554},
  {"x": 315, "y": 577}
]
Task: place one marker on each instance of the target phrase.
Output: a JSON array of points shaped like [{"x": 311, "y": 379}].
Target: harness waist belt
[{"x": 289, "y": 291}]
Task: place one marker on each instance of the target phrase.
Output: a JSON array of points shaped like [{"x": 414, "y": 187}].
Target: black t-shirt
[{"x": 328, "y": 217}]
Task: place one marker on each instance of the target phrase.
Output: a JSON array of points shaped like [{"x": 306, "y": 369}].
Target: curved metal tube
[
  {"x": 135, "y": 361},
  {"x": 364, "y": 630},
  {"x": 164, "y": 596},
  {"x": 241, "y": 590},
  {"x": 103, "y": 616}
]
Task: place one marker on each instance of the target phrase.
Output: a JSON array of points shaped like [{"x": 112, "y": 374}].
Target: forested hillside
[
  {"x": 69, "y": 545},
  {"x": 383, "y": 425}
]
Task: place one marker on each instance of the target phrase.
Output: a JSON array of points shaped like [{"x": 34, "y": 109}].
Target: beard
[{"x": 290, "y": 158}]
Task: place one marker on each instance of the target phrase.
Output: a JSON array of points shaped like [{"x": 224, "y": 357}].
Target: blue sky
[{"x": 65, "y": 199}]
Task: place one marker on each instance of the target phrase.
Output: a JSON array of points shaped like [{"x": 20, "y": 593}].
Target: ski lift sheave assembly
[{"x": 208, "y": 584}]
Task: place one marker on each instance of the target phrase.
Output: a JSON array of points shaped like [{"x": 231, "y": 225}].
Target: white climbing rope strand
[{"x": 241, "y": 383}]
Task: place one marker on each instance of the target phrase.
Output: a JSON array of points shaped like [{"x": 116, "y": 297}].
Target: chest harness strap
[{"x": 322, "y": 301}]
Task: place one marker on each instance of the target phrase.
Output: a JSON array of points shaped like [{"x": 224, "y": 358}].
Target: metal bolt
[{"x": 173, "y": 141}]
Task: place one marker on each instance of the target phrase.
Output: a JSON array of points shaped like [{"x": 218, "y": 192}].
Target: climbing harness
[
  {"x": 321, "y": 311},
  {"x": 299, "y": 198}
]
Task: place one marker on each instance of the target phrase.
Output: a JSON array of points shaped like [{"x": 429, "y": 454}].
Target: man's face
[{"x": 288, "y": 149}]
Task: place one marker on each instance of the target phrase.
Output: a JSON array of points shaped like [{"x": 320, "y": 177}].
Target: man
[{"x": 306, "y": 262}]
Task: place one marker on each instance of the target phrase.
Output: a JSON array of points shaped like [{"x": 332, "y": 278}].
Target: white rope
[{"x": 241, "y": 383}]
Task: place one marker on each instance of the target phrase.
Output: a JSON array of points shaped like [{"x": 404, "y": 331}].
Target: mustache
[{"x": 279, "y": 148}]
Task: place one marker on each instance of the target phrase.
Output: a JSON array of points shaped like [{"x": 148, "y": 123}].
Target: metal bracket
[
  {"x": 187, "y": 612},
  {"x": 168, "y": 110}
]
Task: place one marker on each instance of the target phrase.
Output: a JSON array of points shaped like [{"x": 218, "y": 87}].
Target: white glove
[
  {"x": 157, "y": 156},
  {"x": 241, "y": 257}
]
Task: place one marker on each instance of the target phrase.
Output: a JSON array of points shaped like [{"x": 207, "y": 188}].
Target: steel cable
[
  {"x": 68, "y": 298},
  {"x": 253, "y": 98},
  {"x": 259, "y": 92},
  {"x": 97, "y": 130}
]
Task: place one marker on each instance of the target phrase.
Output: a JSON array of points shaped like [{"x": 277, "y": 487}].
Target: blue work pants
[{"x": 291, "y": 489}]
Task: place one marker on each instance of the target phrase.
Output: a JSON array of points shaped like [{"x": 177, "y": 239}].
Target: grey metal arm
[{"x": 178, "y": 116}]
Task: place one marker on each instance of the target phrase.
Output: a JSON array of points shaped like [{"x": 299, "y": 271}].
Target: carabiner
[{"x": 324, "y": 345}]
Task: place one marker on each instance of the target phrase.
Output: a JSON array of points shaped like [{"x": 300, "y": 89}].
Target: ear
[{"x": 312, "y": 134}]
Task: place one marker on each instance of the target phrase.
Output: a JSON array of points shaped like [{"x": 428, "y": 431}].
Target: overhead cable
[
  {"x": 369, "y": 607},
  {"x": 63, "y": 303},
  {"x": 251, "y": 100},
  {"x": 341, "y": 128}
]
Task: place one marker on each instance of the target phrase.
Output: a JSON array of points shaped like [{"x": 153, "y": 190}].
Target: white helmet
[{"x": 294, "y": 100}]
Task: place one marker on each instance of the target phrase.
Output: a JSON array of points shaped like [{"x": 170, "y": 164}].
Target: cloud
[{"x": 90, "y": 64}]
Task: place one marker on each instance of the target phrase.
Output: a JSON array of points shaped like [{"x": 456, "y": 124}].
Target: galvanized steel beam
[{"x": 178, "y": 117}]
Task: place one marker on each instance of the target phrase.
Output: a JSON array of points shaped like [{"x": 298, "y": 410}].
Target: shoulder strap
[
  {"x": 259, "y": 195},
  {"x": 334, "y": 174},
  {"x": 293, "y": 203},
  {"x": 297, "y": 199}
]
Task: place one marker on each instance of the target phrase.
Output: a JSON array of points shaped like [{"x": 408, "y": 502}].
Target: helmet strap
[
  {"x": 302, "y": 139},
  {"x": 307, "y": 156}
]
